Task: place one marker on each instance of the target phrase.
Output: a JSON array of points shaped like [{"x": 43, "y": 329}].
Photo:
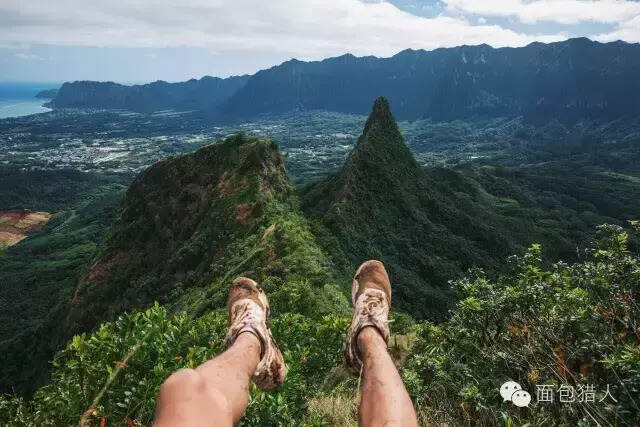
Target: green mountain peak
[
  {"x": 179, "y": 218},
  {"x": 383, "y": 205},
  {"x": 381, "y": 150},
  {"x": 380, "y": 115}
]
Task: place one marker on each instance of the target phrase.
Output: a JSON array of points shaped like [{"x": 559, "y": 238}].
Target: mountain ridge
[
  {"x": 382, "y": 205},
  {"x": 205, "y": 93},
  {"x": 558, "y": 80},
  {"x": 178, "y": 218},
  {"x": 427, "y": 224},
  {"x": 564, "y": 80}
]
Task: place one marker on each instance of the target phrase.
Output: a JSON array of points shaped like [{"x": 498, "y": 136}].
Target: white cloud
[
  {"x": 482, "y": 20},
  {"x": 629, "y": 31},
  {"x": 28, "y": 56},
  {"x": 302, "y": 28},
  {"x": 561, "y": 11}
]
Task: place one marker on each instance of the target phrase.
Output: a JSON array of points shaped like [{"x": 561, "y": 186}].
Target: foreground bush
[
  {"x": 571, "y": 326},
  {"x": 113, "y": 376}
]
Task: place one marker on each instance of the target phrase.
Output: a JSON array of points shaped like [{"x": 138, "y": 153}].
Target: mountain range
[
  {"x": 572, "y": 79},
  {"x": 204, "y": 94}
]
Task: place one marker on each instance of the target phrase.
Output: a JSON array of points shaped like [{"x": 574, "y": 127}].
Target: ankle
[
  {"x": 251, "y": 341},
  {"x": 249, "y": 347},
  {"x": 370, "y": 337}
]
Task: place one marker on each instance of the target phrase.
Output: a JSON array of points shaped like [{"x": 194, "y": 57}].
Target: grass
[{"x": 340, "y": 410}]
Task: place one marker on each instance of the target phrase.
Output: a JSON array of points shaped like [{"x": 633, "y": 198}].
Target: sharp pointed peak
[
  {"x": 381, "y": 102},
  {"x": 381, "y": 142},
  {"x": 381, "y": 106},
  {"x": 380, "y": 114}
]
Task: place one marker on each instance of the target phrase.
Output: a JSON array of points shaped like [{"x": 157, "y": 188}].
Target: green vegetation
[
  {"x": 46, "y": 264},
  {"x": 48, "y": 190},
  {"x": 149, "y": 293},
  {"x": 429, "y": 225},
  {"x": 509, "y": 328},
  {"x": 132, "y": 356},
  {"x": 573, "y": 325},
  {"x": 39, "y": 274},
  {"x": 181, "y": 220}
]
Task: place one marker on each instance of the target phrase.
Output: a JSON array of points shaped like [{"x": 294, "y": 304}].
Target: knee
[
  {"x": 185, "y": 396},
  {"x": 189, "y": 385},
  {"x": 185, "y": 382}
]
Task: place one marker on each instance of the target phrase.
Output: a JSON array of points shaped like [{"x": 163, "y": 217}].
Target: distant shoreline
[
  {"x": 12, "y": 108},
  {"x": 18, "y": 99}
]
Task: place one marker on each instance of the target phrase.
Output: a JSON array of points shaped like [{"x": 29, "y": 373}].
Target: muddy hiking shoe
[
  {"x": 249, "y": 312},
  {"x": 371, "y": 298}
]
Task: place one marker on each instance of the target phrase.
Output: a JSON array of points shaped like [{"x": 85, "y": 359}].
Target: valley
[{"x": 314, "y": 143}]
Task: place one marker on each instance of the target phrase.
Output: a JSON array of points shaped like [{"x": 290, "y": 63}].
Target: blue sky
[
  {"x": 145, "y": 40},
  {"x": 433, "y": 8}
]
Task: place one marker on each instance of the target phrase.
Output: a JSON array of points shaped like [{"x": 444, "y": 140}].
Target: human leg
[
  {"x": 217, "y": 392},
  {"x": 385, "y": 400}
]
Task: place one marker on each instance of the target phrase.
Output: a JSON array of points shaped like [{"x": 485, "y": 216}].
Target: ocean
[{"x": 19, "y": 99}]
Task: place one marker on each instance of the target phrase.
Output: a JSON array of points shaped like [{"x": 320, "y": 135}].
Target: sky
[{"x": 133, "y": 41}]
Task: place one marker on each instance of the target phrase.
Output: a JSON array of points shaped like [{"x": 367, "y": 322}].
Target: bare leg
[
  {"x": 385, "y": 401},
  {"x": 216, "y": 393}
]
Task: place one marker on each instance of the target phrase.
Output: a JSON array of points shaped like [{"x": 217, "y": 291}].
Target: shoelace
[
  {"x": 245, "y": 312},
  {"x": 248, "y": 314},
  {"x": 374, "y": 305}
]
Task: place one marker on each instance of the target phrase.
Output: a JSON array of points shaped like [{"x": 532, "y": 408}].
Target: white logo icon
[
  {"x": 507, "y": 389},
  {"x": 512, "y": 391},
  {"x": 521, "y": 398}
]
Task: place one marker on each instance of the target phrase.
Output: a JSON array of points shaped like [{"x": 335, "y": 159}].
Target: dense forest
[{"x": 39, "y": 274}]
